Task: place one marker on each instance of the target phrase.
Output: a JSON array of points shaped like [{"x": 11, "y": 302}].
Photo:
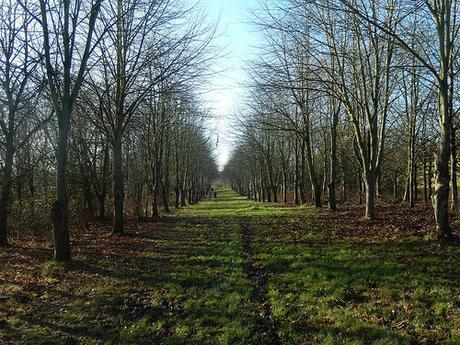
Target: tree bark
[
  {"x": 176, "y": 196},
  {"x": 166, "y": 182},
  {"x": 60, "y": 211},
  {"x": 425, "y": 182},
  {"x": 6, "y": 192},
  {"x": 369, "y": 184},
  {"x": 311, "y": 171},
  {"x": 453, "y": 169},
  {"x": 430, "y": 177},
  {"x": 118, "y": 186},
  {"x": 103, "y": 191},
  {"x": 333, "y": 163},
  {"x": 441, "y": 193},
  {"x": 155, "y": 193}
]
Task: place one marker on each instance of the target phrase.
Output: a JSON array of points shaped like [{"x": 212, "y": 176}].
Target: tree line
[
  {"x": 353, "y": 97},
  {"x": 101, "y": 111}
]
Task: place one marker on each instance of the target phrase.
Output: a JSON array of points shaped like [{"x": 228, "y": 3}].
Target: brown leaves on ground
[{"x": 393, "y": 221}]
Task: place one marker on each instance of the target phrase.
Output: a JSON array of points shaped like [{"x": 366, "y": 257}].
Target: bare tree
[
  {"x": 438, "y": 61},
  {"x": 19, "y": 94},
  {"x": 67, "y": 27}
]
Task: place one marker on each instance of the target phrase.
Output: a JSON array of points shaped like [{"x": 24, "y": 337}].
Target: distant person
[{"x": 215, "y": 195}]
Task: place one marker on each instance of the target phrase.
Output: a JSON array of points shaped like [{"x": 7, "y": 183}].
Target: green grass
[{"x": 184, "y": 281}]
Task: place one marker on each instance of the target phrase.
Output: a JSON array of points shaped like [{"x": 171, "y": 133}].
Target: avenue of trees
[
  {"x": 353, "y": 98},
  {"x": 100, "y": 114}
]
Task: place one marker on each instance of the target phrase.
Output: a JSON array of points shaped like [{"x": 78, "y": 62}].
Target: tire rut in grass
[{"x": 265, "y": 330}]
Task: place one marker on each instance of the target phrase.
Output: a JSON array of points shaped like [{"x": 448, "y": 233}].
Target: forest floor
[{"x": 234, "y": 271}]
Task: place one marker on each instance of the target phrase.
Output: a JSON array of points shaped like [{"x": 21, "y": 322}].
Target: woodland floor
[{"x": 234, "y": 271}]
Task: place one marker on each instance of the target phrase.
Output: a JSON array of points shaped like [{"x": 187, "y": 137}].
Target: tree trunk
[
  {"x": 155, "y": 208},
  {"x": 441, "y": 194},
  {"x": 118, "y": 187},
  {"x": 311, "y": 171},
  {"x": 155, "y": 192},
  {"x": 88, "y": 204},
  {"x": 190, "y": 196},
  {"x": 395, "y": 186},
  {"x": 415, "y": 192},
  {"x": 296, "y": 185},
  {"x": 103, "y": 193},
  {"x": 6, "y": 192},
  {"x": 275, "y": 193},
  {"x": 285, "y": 186},
  {"x": 425, "y": 182},
  {"x": 303, "y": 199},
  {"x": 166, "y": 183},
  {"x": 60, "y": 212},
  {"x": 370, "y": 195},
  {"x": 378, "y": 184},
  {"x": 453, "y": 169},
  {"x": 183, "y": 197},
  {"x": 333, "y": 163},
  {"x": 324, "y": 186},
  {"x": 344, "y": 186},
  {"x": 177, "y": 196},
  {"x": 165, "y": 189}
]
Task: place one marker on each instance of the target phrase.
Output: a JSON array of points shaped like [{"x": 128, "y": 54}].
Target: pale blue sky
[{"x": 237, "y": 38}]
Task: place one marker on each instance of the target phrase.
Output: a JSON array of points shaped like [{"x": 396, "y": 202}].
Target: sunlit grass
[{"x": 184, "y": 281}]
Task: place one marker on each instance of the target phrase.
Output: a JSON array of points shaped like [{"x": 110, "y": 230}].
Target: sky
[{"x": 237, "y": 39}]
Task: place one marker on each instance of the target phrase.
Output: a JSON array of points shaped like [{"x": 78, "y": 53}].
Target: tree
[
  {"x": 439, "y": 62},
  {"x": 66, "y": 56},
  {"x": 19, "y": 94}
]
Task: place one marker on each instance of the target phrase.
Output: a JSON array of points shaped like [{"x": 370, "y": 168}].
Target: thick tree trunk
[
  {"x": 333, "y": 164},
  {"x": 6, "y": 192},
  {"x": 183, "y": 194},
  {"x": 155, "y": 193},
  {"x": 415, "y": 191},
  {"x": 369, "y": 184},
  {"x": 296, "y": 186},
  {"x": 430, "y": 177},
  {"x": 316, "y": 189},
  {"x": 325, "y": 184},
  {"x": 139, "y": 206},
  {"x": 183, "y": 197},
  {"x": 155, "y": 208},
  {"x": 395, "y": 186},
  {"x": 190, "y": 196},
  {"x": 378, "y": 184},
  {"x": 425, "y": 182},
  {"x": 102, "y": 196},
  {"x": 264, "y": 193},
  {"x": 453, "y": 169},
  {"x": 302, "y": 191},
  {"x": 411, "y": 188},
  {"x": 441, "y": 194},
  {"x": 344, "y": 186},
  {"x": 166, "y": 183},
  {"x": 177, "y": 196},
  {"x": 275, "y": 193},
  {"x": 60, "y": 212},
  {"x": 118, "y": 187},
  {"x": 285, "y": 186},
  {"x": 165, "y": 190}
]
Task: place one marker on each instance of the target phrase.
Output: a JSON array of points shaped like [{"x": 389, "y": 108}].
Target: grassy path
[
  {"x": 265, "y": 330},
  {"x": 231, "y": 271}
]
